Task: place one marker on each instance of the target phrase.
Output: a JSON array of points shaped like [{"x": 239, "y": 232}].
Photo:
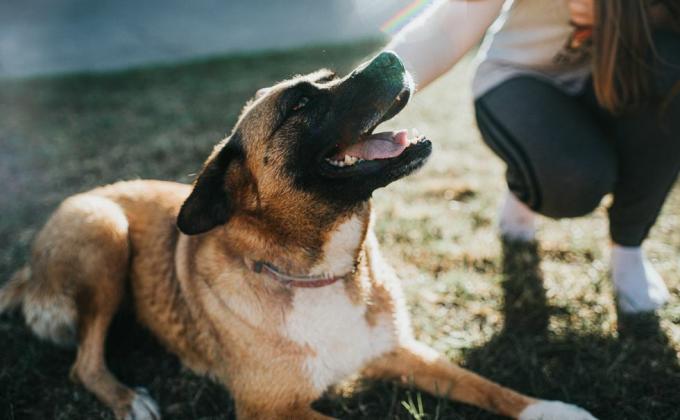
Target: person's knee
[{"x": 576, "y": 194}]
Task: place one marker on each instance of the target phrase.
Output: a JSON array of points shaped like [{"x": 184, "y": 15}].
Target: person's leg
[
  {"x": 516, "y": 221},
  {"x": 647, "y": 145},
  {"x": 558, "y": 161}
]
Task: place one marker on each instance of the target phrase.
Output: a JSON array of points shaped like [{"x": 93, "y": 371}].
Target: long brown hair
[{"x": 624, "y": 52}]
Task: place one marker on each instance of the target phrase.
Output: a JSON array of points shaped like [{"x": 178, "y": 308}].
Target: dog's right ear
[{"x": 209, "y": 203}]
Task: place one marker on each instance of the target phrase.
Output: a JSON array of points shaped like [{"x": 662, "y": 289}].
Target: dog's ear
[{"x": 209, "y": 203}]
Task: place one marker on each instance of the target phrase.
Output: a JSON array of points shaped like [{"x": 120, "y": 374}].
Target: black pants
[{"x": 564, "y": 153}]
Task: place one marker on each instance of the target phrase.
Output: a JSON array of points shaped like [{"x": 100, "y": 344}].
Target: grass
[{"x": 540, "y": 318}]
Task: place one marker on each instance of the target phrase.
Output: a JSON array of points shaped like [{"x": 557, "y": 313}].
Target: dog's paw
[
  {"x": 143, "y": 407},
  {"x": 554, "y": 410}
]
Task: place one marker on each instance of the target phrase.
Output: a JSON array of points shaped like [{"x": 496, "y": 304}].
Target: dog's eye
[{"x": 301, "y": 103}]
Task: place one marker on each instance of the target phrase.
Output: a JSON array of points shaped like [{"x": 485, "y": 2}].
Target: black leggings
[{"x": 564, "y": 153}]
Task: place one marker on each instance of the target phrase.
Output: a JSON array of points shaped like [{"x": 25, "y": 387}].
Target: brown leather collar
[{"x": 290, "y": 280}]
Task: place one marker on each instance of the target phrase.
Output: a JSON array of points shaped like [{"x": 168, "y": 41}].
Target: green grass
[{"x": 539, "y": 319}]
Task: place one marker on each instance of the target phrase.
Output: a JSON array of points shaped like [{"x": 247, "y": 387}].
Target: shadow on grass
[
  {"x": 35, "y": 385},
  {"x": 599, "y": 371},
  {"x": 596, "y": 370}
]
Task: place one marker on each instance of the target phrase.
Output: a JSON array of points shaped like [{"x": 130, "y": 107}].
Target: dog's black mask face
[
  {"x": 336, "y": 155},
  {"x": 311, "y": 140}
]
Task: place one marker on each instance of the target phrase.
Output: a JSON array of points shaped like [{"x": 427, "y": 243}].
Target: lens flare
[{"x": 402, "y": 17}]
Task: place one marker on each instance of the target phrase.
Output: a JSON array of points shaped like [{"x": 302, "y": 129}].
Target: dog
[{"x": 265, "y": 275}]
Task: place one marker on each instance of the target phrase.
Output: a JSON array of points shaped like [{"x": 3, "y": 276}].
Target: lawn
[{"x": 539, "y": 318}]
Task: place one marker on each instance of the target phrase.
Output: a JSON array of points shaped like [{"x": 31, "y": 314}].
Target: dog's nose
[
  {"x": 386, "y": 65},
  {"x": 387, "y": 60}
]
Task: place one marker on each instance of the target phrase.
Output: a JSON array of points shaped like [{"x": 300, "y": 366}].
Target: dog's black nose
[
  {"x": 387, "y": 60},
  {"x": 385, "y": 64},
  {"x": 385, "y": 68}
]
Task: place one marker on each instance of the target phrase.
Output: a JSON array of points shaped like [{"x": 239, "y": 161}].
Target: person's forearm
[{"x": 435, "y": 41}]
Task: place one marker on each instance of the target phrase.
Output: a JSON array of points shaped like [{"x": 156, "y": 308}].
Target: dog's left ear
[{"x": 209, "y": 203}]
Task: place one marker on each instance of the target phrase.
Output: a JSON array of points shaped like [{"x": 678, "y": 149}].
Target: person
[{"x": 579, "y": 98}]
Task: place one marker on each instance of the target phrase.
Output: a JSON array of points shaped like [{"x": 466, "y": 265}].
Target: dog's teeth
[
  {"x": 350, "y": 160},
  {"x": 347, "y": 160},
  {"x": 415, "y": 132},
  {"x": 338, "y": 163}
]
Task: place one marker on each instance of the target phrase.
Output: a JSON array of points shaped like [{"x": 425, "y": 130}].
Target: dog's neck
[
  {"x": 331, "y": 250},
  {"x": 341, "y": 249}
]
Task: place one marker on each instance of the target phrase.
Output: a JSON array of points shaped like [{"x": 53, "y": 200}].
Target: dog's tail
[
  {"x": 13, "y": 292},
  {"x": 51, "y": 316}
]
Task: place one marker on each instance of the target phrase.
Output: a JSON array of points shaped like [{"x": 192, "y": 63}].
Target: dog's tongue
[{"x": 383, "y": 145}]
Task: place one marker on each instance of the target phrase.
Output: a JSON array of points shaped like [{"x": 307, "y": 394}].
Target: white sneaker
[
  {"x": 639, "y": 287},
  {"x": 516, "y": 222}
]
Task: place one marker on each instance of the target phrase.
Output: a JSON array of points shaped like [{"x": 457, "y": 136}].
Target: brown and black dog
[{"x": 273, "y": 284}]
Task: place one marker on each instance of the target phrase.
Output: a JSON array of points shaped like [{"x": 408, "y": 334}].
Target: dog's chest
[{"x": 337, "y": 333}]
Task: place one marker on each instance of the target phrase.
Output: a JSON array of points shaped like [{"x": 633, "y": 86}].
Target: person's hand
[{"x": 582, "y": 12}]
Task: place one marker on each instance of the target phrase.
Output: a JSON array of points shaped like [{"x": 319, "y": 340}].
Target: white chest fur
[
  {"x": 342, "y": 341},
  {"x": 326, "y": 321}
]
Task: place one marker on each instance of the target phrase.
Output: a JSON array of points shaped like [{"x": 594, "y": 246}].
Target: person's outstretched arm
[{"x": 435, "y": 41}]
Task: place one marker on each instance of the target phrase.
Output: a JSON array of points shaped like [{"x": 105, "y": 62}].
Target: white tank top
[{"x": 532, "y": 37}]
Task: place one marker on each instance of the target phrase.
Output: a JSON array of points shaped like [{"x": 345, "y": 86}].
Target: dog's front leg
[{"x": 418, "y": 364}]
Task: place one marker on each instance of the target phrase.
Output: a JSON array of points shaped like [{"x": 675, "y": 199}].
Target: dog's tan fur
[{"x": 275, "y": 348}]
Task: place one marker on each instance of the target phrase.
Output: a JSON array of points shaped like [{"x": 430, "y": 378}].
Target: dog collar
[{"x": 290, "y": 280}]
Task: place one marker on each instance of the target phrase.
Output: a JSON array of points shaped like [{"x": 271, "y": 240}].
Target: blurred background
[
  {"x": 39, "y": 37},
  {"x": 92, "y": 92}
]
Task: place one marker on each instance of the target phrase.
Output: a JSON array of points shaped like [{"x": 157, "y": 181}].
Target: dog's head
[{"x": 307, "y": 143}]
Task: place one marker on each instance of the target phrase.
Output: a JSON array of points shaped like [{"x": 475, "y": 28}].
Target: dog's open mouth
[
  {"x": 378, "y": 146},
  {"x": 371, "y": 152}
]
